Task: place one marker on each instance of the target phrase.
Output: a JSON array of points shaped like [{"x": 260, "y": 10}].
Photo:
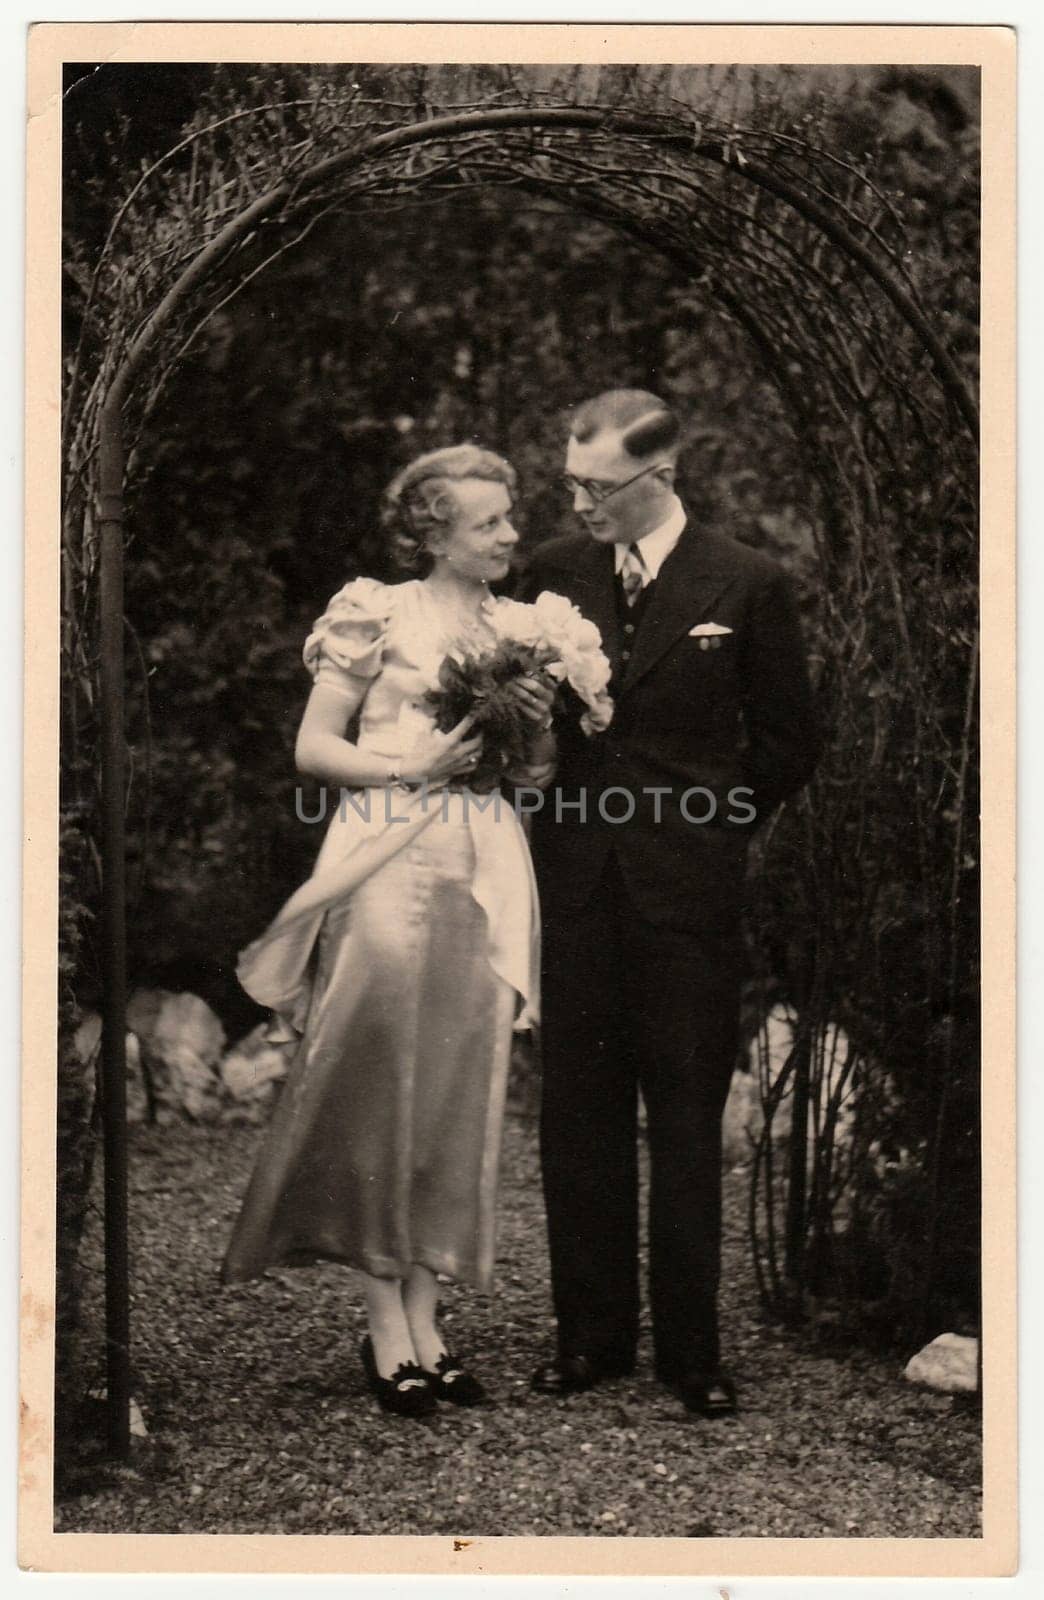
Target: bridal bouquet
[{"x": 549, "y": 639}]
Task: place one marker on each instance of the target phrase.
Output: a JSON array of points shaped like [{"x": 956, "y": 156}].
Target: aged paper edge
[{"x": 993, "y": 50}]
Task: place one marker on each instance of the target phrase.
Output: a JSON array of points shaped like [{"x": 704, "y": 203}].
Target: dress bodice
[
  {"x": 381, "y": 646},
  {"x": 387, "y": 642}
]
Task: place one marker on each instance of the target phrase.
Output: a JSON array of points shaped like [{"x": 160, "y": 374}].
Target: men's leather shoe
[
  {"x": 707, "y": 1394},
  {"x": 574, "y": 1374}
]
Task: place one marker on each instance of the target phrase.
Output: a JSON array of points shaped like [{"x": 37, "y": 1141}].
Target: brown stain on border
[
  {"x": 32, "y": 1444},
  {"x": 37, "y": 1322},
  {"x": 37, "y": 1318}
]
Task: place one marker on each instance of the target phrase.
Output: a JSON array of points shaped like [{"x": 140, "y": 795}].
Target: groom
[{"x": 639, "y": 851}]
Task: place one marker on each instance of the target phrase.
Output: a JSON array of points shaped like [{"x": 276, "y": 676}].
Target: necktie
[{"x": 632, "y": 574}]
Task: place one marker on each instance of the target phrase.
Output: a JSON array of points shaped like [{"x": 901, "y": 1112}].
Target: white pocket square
[{"x": 707, "y": 630}]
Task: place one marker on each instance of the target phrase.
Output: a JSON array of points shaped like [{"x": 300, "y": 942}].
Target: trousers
[{"x": 629, "y": 1006}]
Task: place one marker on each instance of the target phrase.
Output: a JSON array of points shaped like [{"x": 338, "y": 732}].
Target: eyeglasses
[{"x": 600, "y": 492}]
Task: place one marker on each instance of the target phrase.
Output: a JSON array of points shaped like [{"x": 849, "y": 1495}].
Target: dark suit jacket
[{"x": 736, "y": 715}]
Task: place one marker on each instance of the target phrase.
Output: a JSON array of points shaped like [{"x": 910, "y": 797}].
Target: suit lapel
[{"x": 691, "y": 580}]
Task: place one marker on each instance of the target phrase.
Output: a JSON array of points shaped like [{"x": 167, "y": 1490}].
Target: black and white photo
[{"x": 527, "y": 738}]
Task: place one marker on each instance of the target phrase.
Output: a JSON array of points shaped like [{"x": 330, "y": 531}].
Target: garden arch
[{"x": 790, "y": 240}]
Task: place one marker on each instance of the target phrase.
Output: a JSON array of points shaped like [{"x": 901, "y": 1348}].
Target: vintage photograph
[{"x": 519, "y": 998}]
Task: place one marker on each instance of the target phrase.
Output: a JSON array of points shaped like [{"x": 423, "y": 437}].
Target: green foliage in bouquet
[{"x": 480, "y": 687}]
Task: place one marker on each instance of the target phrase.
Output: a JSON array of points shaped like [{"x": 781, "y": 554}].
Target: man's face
[{"x": 630, "y": 512}]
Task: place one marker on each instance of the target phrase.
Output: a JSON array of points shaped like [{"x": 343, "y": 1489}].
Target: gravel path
[{"x": 259, "y": 1420}]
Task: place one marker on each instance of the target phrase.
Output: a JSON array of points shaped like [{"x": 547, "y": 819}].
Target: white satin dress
[{"x": 384, "y": 1146}]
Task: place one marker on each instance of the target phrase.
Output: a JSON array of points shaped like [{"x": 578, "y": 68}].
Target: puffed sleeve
[{"x": 347, "y": 641}]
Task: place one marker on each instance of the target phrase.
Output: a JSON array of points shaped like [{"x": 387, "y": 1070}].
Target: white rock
[
  {"x": 253, "y": 1066},
  {"x": 744, "y": 1116},
  {"x": 87, "y": 1038},
  {"x": 950, "y": 1364},
  {"x": 138, "y": 1427},
  {"x": 87, "y": 1044},
  {"x": 181, "y": 1042},
  {"x": 192, "y": 1084},
  {"x": 137, "y": 1099},
  {"x": 185, "y": 1022},
  {"x": 742, "y": 1120}
]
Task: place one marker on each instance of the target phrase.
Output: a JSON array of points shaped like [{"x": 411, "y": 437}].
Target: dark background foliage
[
  {"x": 487, "y": 323},
  {"x": 397, "y": 327}
]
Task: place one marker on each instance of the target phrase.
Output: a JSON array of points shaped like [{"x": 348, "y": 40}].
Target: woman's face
[{"x": 477, "y": 544}]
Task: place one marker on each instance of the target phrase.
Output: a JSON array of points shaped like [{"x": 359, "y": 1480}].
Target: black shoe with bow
[
  {"x": 451, "y": 1381},
  {"x": 407, "y": 1393}
]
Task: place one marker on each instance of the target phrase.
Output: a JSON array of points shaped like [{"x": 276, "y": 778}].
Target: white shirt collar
[{"x": 656, "y": 546}]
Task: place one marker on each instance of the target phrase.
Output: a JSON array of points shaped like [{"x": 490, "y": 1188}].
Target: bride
[{"x": 383, "y": 1151}]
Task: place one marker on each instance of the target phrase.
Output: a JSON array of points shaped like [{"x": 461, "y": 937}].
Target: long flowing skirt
[{"x": 384, "y": 1146}]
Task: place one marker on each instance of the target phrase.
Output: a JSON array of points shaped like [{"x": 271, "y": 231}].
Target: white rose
[
  {"x": 598, "y": 718},
  {"x": 556, "y": 614},
  {"x": 588, "y": 671},
  {"x": 510, "y": 619},
  {"x": 587, "y": 636}
]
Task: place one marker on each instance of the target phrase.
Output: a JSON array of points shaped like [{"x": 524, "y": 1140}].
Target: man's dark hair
[{"x": 646, "y": 423}]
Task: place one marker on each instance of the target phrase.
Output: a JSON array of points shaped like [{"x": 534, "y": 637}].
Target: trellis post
[{"x": 114, "y": 934}]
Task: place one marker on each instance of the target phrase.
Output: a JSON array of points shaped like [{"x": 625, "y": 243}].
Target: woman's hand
[
  {"x": 440, "y": 757},
  {"x": 535, "y": 697}
]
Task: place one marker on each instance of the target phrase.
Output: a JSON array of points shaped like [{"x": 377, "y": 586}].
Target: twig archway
[{"x": 791, "y": 241}]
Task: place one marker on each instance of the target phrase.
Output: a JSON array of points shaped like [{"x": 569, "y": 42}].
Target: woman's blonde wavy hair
[{"x": 420, "y": 499}]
